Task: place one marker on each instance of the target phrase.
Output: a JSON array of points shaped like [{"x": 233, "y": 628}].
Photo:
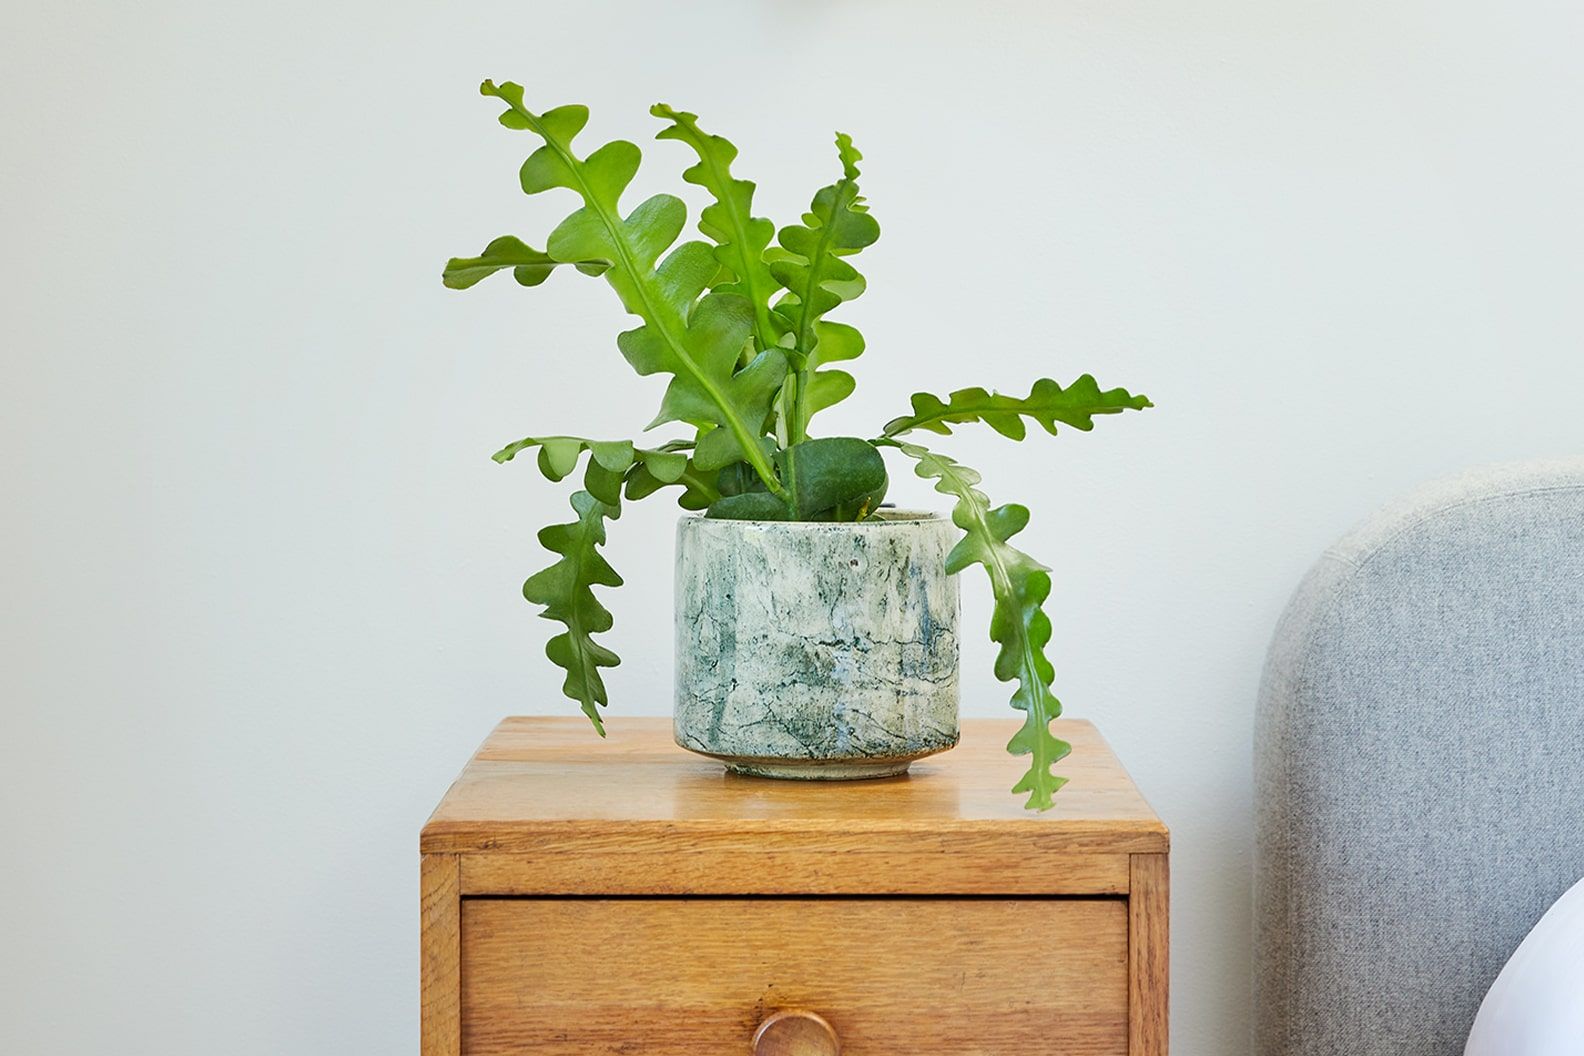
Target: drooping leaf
[
  {"x": 648, "y": 476},
  {"x": 696, "y": 494},
  {"x": 810, "y": 265},
  {"x": 565, "y": 589},
  {"x": 529, "y": 266},
  {"x": 699, "y": 343},
  {"x": 1018, "y": 623},
  {"x": 559, "y": 456},
  {"x": 604, "y": 484},
  {"x": 1047, "y": 403},
  {"x": 740, "y": 237}
]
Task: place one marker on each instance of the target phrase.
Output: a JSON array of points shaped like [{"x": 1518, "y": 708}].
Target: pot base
[
  {"x": 816, "y": 768},
  {"x": 822, "y": 769}
]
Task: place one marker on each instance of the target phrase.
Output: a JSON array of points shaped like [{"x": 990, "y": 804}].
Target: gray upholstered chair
[{"x": 1420, "y": 764}]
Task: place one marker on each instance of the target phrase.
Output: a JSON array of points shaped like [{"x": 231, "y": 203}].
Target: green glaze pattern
[{"x": 821, "y": 651}]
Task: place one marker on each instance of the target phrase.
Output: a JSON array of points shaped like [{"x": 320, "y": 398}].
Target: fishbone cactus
[{"x": 738, "y": 325}]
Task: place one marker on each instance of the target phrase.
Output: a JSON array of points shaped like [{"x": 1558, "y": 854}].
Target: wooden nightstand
[{"x": 586, "y": 897}]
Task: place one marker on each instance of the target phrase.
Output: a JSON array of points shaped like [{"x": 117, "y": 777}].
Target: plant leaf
[
  {"x": 698, "y": 490},
  {"x": 565, "y": 589},
  {"x": 737, "y": 478},
  {"x": 810, "y": 266},
  {"x": 1018, "y": 623},
  {"x": 559, "y": 456},
  {"x": 740, "y": 237},
  {"x": 529, "y": 266},
  {"x": 699, "y": 344},
  {"x": 837, "y": 342},
  {"x": 834, "y": 478},
  {"x": 716, "y": 334},
  {"x": 716, "y": 450},
  {"x": 1047, "y": 403},
  {"x": 828, "y": 388},
  {"x": 749, "y": 506},
  {"x": 671, "y": 464}
]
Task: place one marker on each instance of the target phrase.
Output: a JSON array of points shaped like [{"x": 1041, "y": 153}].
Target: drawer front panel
[{"x": 554, "y": 977}]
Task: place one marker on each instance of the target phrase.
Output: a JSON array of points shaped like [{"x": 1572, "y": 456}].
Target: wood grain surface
[
  {"x": 685, "y": 976},
  {"x": 796, "y": 864},
  {"x": 636, "y": 814},
  {"x": 440, "y": 951},
  {"x": 1149, "y": 955}
]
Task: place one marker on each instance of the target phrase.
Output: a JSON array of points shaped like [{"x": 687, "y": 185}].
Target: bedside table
[{"x": 582, "y": 896}]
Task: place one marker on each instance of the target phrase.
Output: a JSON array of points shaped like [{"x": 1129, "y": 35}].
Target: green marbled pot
[{"x": 816, "y": 651}]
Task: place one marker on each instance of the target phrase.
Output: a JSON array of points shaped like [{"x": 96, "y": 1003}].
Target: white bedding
[{"x": 1536, "y": 1005}]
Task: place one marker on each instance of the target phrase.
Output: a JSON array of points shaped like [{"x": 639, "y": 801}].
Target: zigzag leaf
[
  {"x": 698, "y": 486},
  {"x": 565, "y": 589},
  {"x": 698, "y": 342},
  {"x": 1047, "y": 403},
  {"x": 640, "y": 471},
  {"x": 810, "y": 265},
  {"x": 740, "y": 237},
  {"x": 559, "y": 455},
  {"x": 1018, "y": 624},
  {"x": 529, "y": 266}
]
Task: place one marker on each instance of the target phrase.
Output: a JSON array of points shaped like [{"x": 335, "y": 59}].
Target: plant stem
[
  {"x": 796, "y": 411},
  {"x": 801, "y": 413}
]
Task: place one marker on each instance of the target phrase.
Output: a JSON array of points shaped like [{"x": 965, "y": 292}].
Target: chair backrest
[{"x": 1419, "y": 764}]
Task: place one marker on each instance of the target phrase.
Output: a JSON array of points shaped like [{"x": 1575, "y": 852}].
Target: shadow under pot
[{"x": 818, "y": 651}]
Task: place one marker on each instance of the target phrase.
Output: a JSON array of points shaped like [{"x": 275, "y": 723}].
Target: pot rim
[{"x": 884, "y": 518}]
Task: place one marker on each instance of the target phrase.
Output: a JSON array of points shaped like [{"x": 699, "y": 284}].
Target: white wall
[{"x": 261, "y": 578}]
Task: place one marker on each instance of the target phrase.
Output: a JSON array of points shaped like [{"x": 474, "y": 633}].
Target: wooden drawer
[
  {"x": 668, "y": 977},
  {"x": 627, "y": 897}
]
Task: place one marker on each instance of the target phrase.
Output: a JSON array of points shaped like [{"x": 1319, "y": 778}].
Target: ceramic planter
[{"x": 813, "y": 650}]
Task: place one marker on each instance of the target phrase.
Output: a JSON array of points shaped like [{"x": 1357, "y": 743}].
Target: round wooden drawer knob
[{"x": 794, "y": 1032}]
